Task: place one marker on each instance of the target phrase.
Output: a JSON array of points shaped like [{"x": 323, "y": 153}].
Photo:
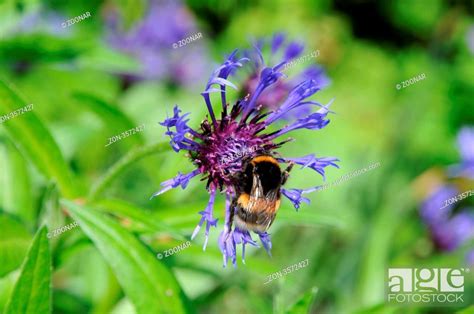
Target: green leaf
[
  {"x": 147, "y": 282},
  {"x": 14, "y": 244},
  {"x": 6, "y": 287},
  {"x": 50, "y": 211},
  {"x": 18, "y": 198},
  {"x": 35, "y": 141},
  {"x": 127, "y": 160},
  {"x": 304, "y": 304},
  {"x": 468, "y": 310},
  {"x": 32, "y": 292},
  {"x": 36, "y": 48},
  {"x": 124, "y": 209}
]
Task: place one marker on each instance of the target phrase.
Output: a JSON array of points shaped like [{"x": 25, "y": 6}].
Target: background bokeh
[{"x": 104, "y": 75}]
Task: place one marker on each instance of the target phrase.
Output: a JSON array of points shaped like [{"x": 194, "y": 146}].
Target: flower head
[
  {"x": 225, "y": 142},
  {"x": 151, "y": 41},
  {"x": 446, "y": 211}
]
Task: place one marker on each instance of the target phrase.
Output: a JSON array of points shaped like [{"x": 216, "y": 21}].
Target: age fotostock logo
[{"x": 426, "y": 285}]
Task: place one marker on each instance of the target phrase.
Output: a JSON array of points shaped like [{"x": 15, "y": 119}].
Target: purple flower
[
  {"x": 289, "y": 53},
  {"x": 228, "y": 242},
  {"x": 154, "y": 40},
  {"x": 224, "y": 143},
  {"x": 296, "y": 196},
  {"x": 466, "y": 149},
  {"x": 455, "y": 231},
  {"x": 470, "y": 258},
  {"x": 470, "y": 39},
  {"x": 433, "y": 210},
  {"x": 450, "y": 225},
  {"x": 449, "y": 220},
  {"x": 312, "y": 162}
]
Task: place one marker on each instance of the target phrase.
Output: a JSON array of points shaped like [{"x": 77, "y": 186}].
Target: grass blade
[
  {"x": 32, "y": 292},
  {"x": 14, "y": 244}
]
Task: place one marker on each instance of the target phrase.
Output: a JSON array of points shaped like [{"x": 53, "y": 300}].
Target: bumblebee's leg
[
  {"x": 231, "y": 214},
  {"x": 286, "y": 173},
  {"x": 231, "y": 218}
]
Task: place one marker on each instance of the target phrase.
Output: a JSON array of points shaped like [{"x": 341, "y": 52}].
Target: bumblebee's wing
[{"x": 257, "y": 189}]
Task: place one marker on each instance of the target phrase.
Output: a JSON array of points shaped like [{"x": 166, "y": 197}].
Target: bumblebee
[{"x": 258, "y": 194}]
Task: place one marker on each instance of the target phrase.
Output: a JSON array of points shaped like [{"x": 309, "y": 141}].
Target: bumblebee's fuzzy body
[{"x": 258, "y": 194}]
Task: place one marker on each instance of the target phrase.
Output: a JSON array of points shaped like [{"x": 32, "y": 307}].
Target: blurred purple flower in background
[
  {"x": 231, "y": 137},
  {"x": 470, "y": 258},
  {"x": 451, "y": 223},
  {"x": 33, "y": 26},
  {"x": 470, "y": 39},
  {"x": 150, "y": 40},
  {"x": 466, "y": 149},
  {"x": 287, "y": 52},
  {"x": 41, "y": 21}
]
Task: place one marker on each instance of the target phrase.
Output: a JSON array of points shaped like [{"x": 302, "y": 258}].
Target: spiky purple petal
[
  {"x": 227, "y": 247},
  {"x": 296, "y": 196},
  {"x": 180, "y": 180},
  {"x": 293, "y": 50},
  {"x": 268, "y": 76},
  {"x": 295, "y": 99},
  {"x": 178, "y": 137},
  {"x": 317, "y": 74},
  {"x": 266, "y": 241},
  {"x": 277, "y": 41},
  {"x": 314, "y": 121},
  {"x": 228, "y": 242},
  {"x": 219, "y": 77},
  {"x": 312, "y": 162},
  {"x": 207, "y": 217}
]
